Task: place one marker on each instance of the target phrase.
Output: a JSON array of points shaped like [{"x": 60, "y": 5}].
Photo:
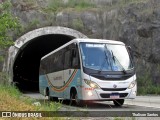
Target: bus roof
[
  {"x": 99, "y": 41},
  {"x": 78, "y": 40}
]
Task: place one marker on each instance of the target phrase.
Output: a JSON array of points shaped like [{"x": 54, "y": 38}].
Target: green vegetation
[
  {"x": 9, "y": 93},
  {"x": 32, "y": 25},
  {"x": 13, "y": 100},
  {"x": 30, "y": 4},
  {"x": 8, "y": 24},
  {"x": 131, "y": 1},
  {"x": 118, "y": 118},
  {"x": 146, "y": 85},
  {"x": 81, "y": 4},
  {"x": 9, "y": 97},
  {"x": 121, "y": 4},
  {"x": 125, "y": 118},
  {"x": 78, "y": 24},
  {"x": 1, "y": 58},
  {"x": 57, "y": 5},
  {"x": 4, "y": 78}
]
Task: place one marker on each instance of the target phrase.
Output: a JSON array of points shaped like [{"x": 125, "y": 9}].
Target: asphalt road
[{"x": 141, "y": 103}]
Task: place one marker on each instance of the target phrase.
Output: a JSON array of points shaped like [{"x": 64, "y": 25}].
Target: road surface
[
  {"x": 141, "y": 103},
  {"x": 145, "y": 101}
]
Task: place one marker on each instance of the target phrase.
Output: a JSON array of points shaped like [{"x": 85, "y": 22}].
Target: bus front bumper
[{"x": 99, "y": 94}]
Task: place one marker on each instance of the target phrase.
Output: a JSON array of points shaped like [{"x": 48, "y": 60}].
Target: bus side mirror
[
  {"x": 130, "y": 51},
  {"x": 75, "y": 45}
]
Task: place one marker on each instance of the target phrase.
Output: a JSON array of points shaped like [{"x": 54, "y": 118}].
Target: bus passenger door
[
  {"x": 67, "y": 73},
  {"x": 71, "y": 71}
]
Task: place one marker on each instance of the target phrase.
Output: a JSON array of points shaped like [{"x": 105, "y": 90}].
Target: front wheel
[
  {"x": 118, "y": 102},
  {"x": 79, "y": 102},
  {"x": 74, "y": 99}
]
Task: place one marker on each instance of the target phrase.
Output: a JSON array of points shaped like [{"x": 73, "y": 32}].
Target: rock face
[{"x": 135, "y": 23}]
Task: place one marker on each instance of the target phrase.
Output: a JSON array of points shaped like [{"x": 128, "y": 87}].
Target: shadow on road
[
  {"x": 103, "y": 105},
  {"x": 91, "y": 105}
]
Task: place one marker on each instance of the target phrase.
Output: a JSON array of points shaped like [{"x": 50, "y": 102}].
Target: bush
[
  {"x": 146, "y": 85},
  {"x": 56, "y": 5},
  {"x": 4, "y": 79},
  {"x": 8, "y": 23}
]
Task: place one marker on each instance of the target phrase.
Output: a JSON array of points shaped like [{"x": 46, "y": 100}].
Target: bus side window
[
  {"x": 67, "y": 60},
  {"x": 75, "y": 59},
  {"x": 41, "y": 69}
]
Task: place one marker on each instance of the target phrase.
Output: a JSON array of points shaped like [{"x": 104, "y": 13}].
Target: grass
[
  {"x": 12, "y": 100},
  {"x": 121, "y": 4},
  {"x": 10, "y": 94},
  {"x": 9, "y": 97},
  {"x": 58, "y": 5}
]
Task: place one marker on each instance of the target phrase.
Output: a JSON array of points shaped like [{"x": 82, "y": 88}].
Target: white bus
[{"x": 89, "y": 70}]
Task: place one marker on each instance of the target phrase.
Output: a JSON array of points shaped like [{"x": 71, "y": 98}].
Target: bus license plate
[{"x": 114, "y": 96}]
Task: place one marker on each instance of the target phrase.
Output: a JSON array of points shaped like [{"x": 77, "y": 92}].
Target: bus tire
[
  {"x": 54, "y": 99},
  {"x": 79, "y": 102},
  {"x": 118, "y": 102},
  {"x": 50, "y": 98},
  {"x": 74, "y": 98}
]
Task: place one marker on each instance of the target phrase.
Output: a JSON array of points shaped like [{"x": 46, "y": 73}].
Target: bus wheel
[
  {"x": 75, "y": 99},
  {"x": 78, "y": 101},
  {"x": 54, "y": 99},
  {"x": 118, "y": 102},
  {"x": 50, "y": 98}
]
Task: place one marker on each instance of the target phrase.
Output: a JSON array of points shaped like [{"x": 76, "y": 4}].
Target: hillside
[{"x": 135, "y": 22}]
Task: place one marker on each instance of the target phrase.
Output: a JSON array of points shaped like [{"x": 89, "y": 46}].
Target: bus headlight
[
  {"x": 91, "y": 84},
  {"x": 133, "y": 83}
]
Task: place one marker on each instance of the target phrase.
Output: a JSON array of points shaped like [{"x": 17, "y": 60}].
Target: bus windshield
[{"x": 105, "y": 57}]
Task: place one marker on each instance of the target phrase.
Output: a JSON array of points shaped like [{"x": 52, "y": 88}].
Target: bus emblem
[{"x": 114, "y": 86}]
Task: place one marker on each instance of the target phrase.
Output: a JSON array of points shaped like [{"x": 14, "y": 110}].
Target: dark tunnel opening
[{"x": 27, "y": 61}]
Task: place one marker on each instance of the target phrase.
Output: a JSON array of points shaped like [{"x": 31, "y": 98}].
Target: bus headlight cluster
[
  {"x": 133, "y": 83},
  {"x": 90, "y": 93},
  {"x": 91, "y": 84}
]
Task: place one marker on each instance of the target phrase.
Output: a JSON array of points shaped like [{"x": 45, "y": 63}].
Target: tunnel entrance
[{"x": 27, "y": 60}]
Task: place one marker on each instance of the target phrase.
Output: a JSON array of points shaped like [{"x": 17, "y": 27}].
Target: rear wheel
[
  {"x": 53, "y": 99},
  {"x": 118, "y": 102},
  {"x": 50, "y": 98}
]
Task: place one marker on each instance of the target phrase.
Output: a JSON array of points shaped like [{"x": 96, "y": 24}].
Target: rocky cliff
[{"x": 135, "y": 22}]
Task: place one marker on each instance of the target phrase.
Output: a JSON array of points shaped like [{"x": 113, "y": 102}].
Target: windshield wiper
[
  {"x": 105, "y": 60},
  {"x": 115, "y": 58}
]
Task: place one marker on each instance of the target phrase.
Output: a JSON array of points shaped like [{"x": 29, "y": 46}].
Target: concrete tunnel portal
[
  {"x": 24, "y": 60},
  {"x": 26, "y": 66}
]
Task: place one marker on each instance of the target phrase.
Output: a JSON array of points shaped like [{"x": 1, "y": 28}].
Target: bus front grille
[
  {"x": 105, "y": 95},
  {"x": 113, "y": 89}
]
